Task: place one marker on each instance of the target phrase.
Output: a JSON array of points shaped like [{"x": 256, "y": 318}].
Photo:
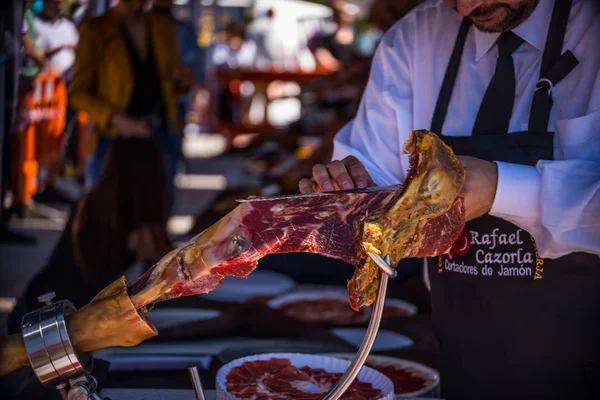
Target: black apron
[{"x": 510, "y": 324}]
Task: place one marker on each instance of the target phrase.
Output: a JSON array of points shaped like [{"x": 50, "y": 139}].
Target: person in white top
[
  {"x": 513, "y": 86},
  {"x": 57, "y": 36}
]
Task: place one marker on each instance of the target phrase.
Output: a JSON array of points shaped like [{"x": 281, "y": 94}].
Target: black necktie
[{"x": 494, "y": 113}]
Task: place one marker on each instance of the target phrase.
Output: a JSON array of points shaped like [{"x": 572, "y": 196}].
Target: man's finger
[
  {"x": 338, "y": 172},
  {"x": 358, "y": 172},
  {"x": 305, "y": 186},
  {"x": 321, "y": 176}
]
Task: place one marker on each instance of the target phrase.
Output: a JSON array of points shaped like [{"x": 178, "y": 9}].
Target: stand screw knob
[
  {"x": 46, "y": 298},
  {"x": 79, "y": 392}
]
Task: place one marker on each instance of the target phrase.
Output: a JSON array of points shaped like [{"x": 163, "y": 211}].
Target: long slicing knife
[{"x": 320, "y": 194}]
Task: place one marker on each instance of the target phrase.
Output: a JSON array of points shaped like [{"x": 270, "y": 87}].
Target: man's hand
[
  {"x": 337, "y": 175},
  {"x": 129, "y": 127},
  {"x": 479, "y": 190}
]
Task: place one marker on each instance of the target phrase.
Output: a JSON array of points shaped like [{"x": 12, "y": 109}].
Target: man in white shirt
[
  {"x": 57, "y": 36},
  {"x": 262, "y": 32},
  {"x": 513, "y": 86}
]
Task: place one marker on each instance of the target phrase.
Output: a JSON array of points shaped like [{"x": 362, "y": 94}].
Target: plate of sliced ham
[
  {"x": 291, "y": 376},
  {"x": 410, "y": 378},
  {"x": 327, "y": 307},
  {"x": 398, "y": 308}
]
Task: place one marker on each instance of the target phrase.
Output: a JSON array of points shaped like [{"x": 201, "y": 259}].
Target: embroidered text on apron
[{"x": 510, "y": 324}]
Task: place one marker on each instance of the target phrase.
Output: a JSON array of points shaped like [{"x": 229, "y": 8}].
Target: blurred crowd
[{"x": 130, "y": 74}]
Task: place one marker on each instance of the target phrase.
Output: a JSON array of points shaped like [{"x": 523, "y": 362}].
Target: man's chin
[
  {"x": 505, "y": 19},
  {"x": 489, "y": 26},
  {"x": 499, "y": 22}
]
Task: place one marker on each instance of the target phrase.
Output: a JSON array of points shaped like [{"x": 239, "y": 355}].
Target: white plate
[
  {"x": 258, "y": 283},
  {"x": 167, "y": 317},
  {"x": 310, "y": 292},
  {"x": 316, "y": 294},
  {"x": 409, "y": 307},
  {"x": 385, "y": 341},
  {"x": 327, "y": 363},
  {"x": 432, "y": 375}
]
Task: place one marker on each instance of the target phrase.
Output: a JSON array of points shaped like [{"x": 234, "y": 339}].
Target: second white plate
[
  {"x": 167, "y": 317},
  {"x": 385, "y": 341},
  {"x": 258, "y": 283}
]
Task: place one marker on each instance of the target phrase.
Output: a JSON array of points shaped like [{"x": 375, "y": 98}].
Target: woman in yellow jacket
[{"x": 126, "y": 77}]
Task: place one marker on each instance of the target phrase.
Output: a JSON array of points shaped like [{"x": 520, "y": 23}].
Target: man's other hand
[
  {"x": 347, "y": 174},
  {"x": 479, "y": 190}
]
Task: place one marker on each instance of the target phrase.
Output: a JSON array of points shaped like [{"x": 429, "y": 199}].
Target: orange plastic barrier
[{"x": 37, "y": 136}]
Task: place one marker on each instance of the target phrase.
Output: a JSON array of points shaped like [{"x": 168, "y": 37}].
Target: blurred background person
[
  {"x": 120, "y": 221},
  {"x": 79, "y": 11},
  {"x": 191, "y": 56},
  {"x": 234, "y": 51},
  {"x": 34, "y": 59},
  {"x": 335, "y": 45},
  {"x": 126, "y": 78},
  {"x": 262, "y": 31},
  {"x": 11, "y": 29},
  {"x": 55, "y": 38}
]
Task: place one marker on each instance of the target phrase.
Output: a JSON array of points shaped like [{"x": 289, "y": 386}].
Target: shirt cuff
[{"x": 518, "y": 191}]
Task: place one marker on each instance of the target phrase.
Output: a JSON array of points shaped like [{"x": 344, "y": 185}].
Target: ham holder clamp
[{"x": 53, "y": 357}]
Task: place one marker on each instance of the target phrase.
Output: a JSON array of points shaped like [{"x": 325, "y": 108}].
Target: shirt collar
[{"x": 533, "y": 30}]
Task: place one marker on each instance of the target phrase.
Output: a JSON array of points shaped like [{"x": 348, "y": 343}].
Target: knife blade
[{"x": 319, "y": 194}]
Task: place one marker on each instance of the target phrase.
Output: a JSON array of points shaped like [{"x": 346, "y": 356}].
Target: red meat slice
[
  {"x": 323, "y": 311},
  {"x": 404, "y": 380}
]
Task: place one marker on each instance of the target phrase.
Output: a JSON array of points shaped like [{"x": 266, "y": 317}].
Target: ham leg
[{"x": 422, "y": 217}]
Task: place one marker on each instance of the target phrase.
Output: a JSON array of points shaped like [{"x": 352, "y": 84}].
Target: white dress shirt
[
  {"x": 558, "y": 201},
  {"x": 53, "y": 34}
]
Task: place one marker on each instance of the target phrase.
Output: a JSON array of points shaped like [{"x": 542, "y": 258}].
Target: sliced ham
[{"x": 278, "y": 379}]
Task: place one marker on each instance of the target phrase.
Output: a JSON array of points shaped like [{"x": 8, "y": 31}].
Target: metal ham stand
[
  {"x": 51, "y": 353},
  {"x": 387, "y": 271},
  {"x": 351, "y": 373}
]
